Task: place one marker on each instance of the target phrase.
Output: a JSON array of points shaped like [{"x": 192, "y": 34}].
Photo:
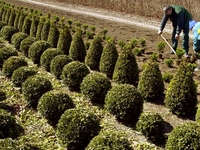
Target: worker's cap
[{"x": 192, "y": 24}]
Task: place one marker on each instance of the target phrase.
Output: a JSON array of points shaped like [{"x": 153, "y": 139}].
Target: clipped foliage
[
  {"x": 2, "y": 95},
  {"x": 36, "y": 49},
  {"x": 73, "y": 74},
  {"x": 21, "y": 20},
  {"x": 125, "y": 102},
  {"x": 108, "y": 59},
  {"x": 47, "y": 56},
  {"x": 76, "y": 128},
  {"x": 110, "y": 139},
  {"x": 17, "y": 12},
  {"x": 34, "y": 24},
  {"x": 77, "y": 48},
  {"x": 12, "y": 63},
  {"x": 94, "y": 52},
  {"x": 27, "y": 25},
  {"x": 21, "y": 74},
  {"x": 126, "y": 69},
  {"x": 7, "y": 32},
  {"x": 95, "y": 87},
  {"x": 39, "y": 27},
  {"x": 185, "y": 136},
  {"x": 17, "y": 38},
  {"x": 53, "y": 104},
  {"x": 12, "y": 17},
  {"x": 25, "y": 44},
  {"x": 53, "y": 35},
  {"x": 181, "y": 94},
  {"x": 57, "y": 64},
  {"x": 151, "y": 85},
  {"x": 167, "y": 76},
  {"x": 45, "y": 29},
  {"x": 33, "y": 88},
  {"x": 197, "y": 116},
  {"x": 2, "y": 24}
]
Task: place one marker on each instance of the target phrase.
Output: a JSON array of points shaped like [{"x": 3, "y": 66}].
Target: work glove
[{"x": 159, "y": 32}]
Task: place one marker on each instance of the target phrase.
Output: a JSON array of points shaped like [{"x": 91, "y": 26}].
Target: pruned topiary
[
  {"x": 25, "y": 44},
  {"x": 53, "y": 35},
  {"x": 23, "y": 14},
  {"x": 17, "y": 39},
  {"x": 39, "y": 27},
  {"x": 7, "y": 32},
  {"x": 45, "y": 28},
  {"x": 197, "y": 116},
  {"x": 12, "y": 16},
  {"x": 34, "y": 25},
  {"x": 2, "y": 24},
  {"x": 27, "y": 24}
]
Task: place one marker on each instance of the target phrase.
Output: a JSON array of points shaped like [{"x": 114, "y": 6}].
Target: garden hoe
[{"x": 168, "y": 44}]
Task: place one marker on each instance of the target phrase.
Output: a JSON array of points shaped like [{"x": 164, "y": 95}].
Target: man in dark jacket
[{"x": 180, "y": 18}]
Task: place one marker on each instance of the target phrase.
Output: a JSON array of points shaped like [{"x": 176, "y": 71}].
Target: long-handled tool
[{"x": 168, "y": 44}]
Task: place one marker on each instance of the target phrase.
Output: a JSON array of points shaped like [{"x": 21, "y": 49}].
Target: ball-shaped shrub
[
  {"x": 57, "y": 64},
  {"x": 33, "y": 88},
  {"x": 197, "y": 116},
  {"x": 36, "y": 49},
  {"x": 73, "y": 74},
  {"x": 21, "y": 74},
  {"x": 7, "y": 32},
  {"x": 2, "y": 24},
  {"x": 76, "y": 128},
  {"x": 17, "y": 39},
  {"x": 53, "y": 104},
  {"x": 13, "y": 63},
  {"x": 5, "y": 53},
  {"x": 185, "y": 136},
  {"x": 2, "y": 95},
  {"x": 151, "y": 125},
  {"x": 181, "y": 94},
  {"x": 25, "y": 44},
  {"x": 95, "y": 87},
  {"x": 110, "y": 139},
  {"x": 47, "y": 56},
  {"x": 125, "y": 102}
]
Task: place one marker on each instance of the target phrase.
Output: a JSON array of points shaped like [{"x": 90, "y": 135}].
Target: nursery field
[{"x": 38, "y": 133}]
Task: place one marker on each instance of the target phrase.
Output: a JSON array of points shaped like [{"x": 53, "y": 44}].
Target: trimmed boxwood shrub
[
  {"x": 5, "y": 53},
  {"x": 95, "y": 87},
  {"x": 36, "y": 49},
  {"x": 2, "y": 95},
  {"x": 2, "y": 24},
  {"x": 185, "y": 136},
  {"x": 39, "y": 27},
  {"x": 151, "y": 125},
  {"x": 151, "y": 84},
  {"x": 73, "y": 74},
  {"x": 18, "y": 10},
  {"x": 21, "y": 74},
  {"x": 33, "y": 88},
  {"x": 17, "y": 39},
  {"x": 23, "y": 14},
  {"x": 7, "y": 32},
  {"x": 27, "y": 24},
  {"x": 53, "y": 35},
  {"x": 12, "y": 63},
  {"x": 34, "y": 24},
  {"x": 94, "y": 52},
  {"x": 110, "y": 139},
  {"x": 45, "y": 28},
  {"x": 53, "y": 104},
  {"x": 125, "y": 102},
  {"x": 108, "y": 59},
  {"x": 197, "y": 116},
  {"x": 76, "y": 128},
  {"x": 47, "y": 56},
  {"x": 12, "y": 17},
  {"x": 181, "y": 94},
  {"x": 25, "y": 44},
  {"x": 57, "y": 64}
]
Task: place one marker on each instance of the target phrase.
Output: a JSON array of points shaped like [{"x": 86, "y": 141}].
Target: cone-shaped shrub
[
  {"x": 25, "y": 45},
  {"x": 7, "y": 32},
  {"x": 95, "y": 87},
  {"x": 181, "y": 95},
  {"x": 53, "y": 35},
  {"x": 33, "y": 88},
  {"x": 47, "y": 56},
  {"x": 18, "y": 11},
  {"x": 5, "y": 53},
  {"x": 17, "y": 39},
  {"x": 108, "y": 59},
  {"x": 53, "y": 104},
  {"x": 7, "y": 15},
  {"x": 12, "y": 63},
  {"x": 65, "y": 39},
  {"x": 125, "y": 102},
  {"x": 45, "y": 29},
  {"x": 73, "y": 74},
  {"x": 151, "y": 84},
  {"x": 184, "y": 136},
  {"x": 2, "y": 95},
  {"x": 76, "y": 128},
  {"x": 57, "y": 64},
  {"x": 36, "y": 49},
  {"x": 94, "y": 52},
  {"x": 34, "y": 24},
  {"x": 21, "y": 20},
  {"x": 12, "y": 17},
  {"x": 151, "y": 125},
  {"x": 21, "y": 74},
  {"x": 197, "y": 116},
  {"x": 39, "y": 27},
  {"x": 2, "y": 24},
  {"x": 27, "y": 24},
  {"x": 110, "y": 139},
  {"x": 126, "y": 69},
  {"x": 77, "y": 49},
  {"x": 4, "y": 13}
]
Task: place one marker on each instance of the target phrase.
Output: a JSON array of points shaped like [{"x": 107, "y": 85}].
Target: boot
[{"x": 198, "y": 66}]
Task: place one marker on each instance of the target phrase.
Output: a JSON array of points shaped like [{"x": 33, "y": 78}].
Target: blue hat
[{"x": 192, "y": 24}]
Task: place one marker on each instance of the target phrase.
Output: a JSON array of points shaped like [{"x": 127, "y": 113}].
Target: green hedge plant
[
  {"x": 7, "y": 32},
  {"x": 45, "y": 28},
  {"x": 25, "y": 44},
  {"x": 27, "y": 24},
  {"x": 17, "y": 38},
  {"x": 53, "y": 35},
  {"x": 34, "y": 25},
  {"x": 39, "y": 27},
  {"x": 197, "y": 116}
]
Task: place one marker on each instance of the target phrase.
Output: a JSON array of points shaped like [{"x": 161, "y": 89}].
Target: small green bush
[
  {"x": 12, "y": 63},
  {"x": 12, "y": 16},
  {"x": 39, "y": 27},
  {"x": 45, "y": 29},
  {"x": 95, "y": 87},
  {"x": 197, "y": 116},
  {"x": 185, "y": 136},
  {"x": 17, "y": 39},
  {"x": 25, "y": 44},
  {"x": 23, "y": 14},
  {"x": 167, "y": 76},
  {"x": 33, "y": 88},
  {"x": 47, "y": 56},
  {"x": 7, "y": 32},
  {"x": 57, "y": 64},
  {"x": 53, "y": 104},
  {"x": 2, "y": 24},
  {"x": 21, "y": 74},
  {"x": 73, "y": 74},
  {"x": 53, "y": 35},
  {"x": 111, "y": 139},
  {"x": 34, "y": 24},
  {"x": 2, "y": 95},
  {"x": 27, "y": 24},
  {"x": 76, "y": 128},
  {"x": 125, "y": 102}
]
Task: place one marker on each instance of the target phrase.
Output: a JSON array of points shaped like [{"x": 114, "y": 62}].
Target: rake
[{"x": 168, "y": 44}]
